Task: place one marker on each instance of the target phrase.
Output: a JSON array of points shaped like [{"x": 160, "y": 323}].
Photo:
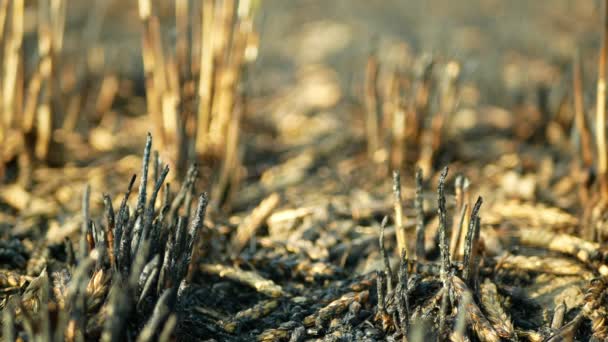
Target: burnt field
[{"x": 303, "y": 170}]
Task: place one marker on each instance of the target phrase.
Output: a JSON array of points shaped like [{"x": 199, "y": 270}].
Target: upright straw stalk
[
  {"x": 601, "y": 108},
  {"x": 192, "y": 94},
  {"x": 579, "y": 112}
]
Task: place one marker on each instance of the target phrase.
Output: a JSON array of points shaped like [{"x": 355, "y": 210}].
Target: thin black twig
[
  {"x": 141, "y": 196},
  {"x": 418, "y": 202},
  {"x": 86, "y": 196},
  {"x": 387, "y": 265},
  {"x": 443, "y": 249},
  {"x": 471, "y": 243},
  {"x": 195, "y": 235},
  {"x": 403, "y": 300},
  {"x": 443, "y": 237}
]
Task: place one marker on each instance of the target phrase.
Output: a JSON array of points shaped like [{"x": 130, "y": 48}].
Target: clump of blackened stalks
[
  {"x": 129, "y": 277},
  {"x": 147, "y": 273},
  {"x": 445, "y": 285}
]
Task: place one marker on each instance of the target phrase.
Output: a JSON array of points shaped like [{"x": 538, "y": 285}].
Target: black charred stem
[
  {"x": 124, "y": 249},
  {"x": 149, "y": 213},
  {"x": 110, "y": 227},
  {"x": 402, "y": 295},
  {"x": 147, "y": 271},
  {"x": 141, "y": 196},
  {"x": 137, "y": 235},
  {"x": 470, "y": 250},
  {"x": 121, "y": 224},
  {"x": 139, "y": 263},
  {"x": 185, "y": 189},
  {"x": 167, "y": 197},
  {"x": 195, "y": 236},
  {"x": 101, "y": 246},
  {"x": 188, "y": 202},
  {"x": 98, "y": 235},
  {"x": 444, "y": 251},
  {"x": 443, "y": 236},
  {"x": 86, "y": 196},
  {"x": 69, "y": 251},
  {"x": 156, "y": 162},
  {"x": 387, "y": 265},
  {"x": 110, "y": 218},
  {"x": 180, "y": 260},
  {"x": 475, "y": 257},
  {"x": 164, "y": 277},
  {"x": 90, "y": 236},
  {"x": 380, "y": 290},
  {"x": 418, "y": 202}
]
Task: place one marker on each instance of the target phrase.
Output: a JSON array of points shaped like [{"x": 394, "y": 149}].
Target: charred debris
[
  {"x": 162, "y": 270},
  {"x": 292, "y": 252}
]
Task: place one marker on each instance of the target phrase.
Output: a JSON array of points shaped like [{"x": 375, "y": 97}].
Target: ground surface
[{"x": 304, "y": 140}]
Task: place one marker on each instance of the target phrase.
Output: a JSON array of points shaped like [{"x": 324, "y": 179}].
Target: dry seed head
[
  {"x": 97, "y": 282},
  {"x": 495, "y": 312},
  {"x": 481, "y": 326}
]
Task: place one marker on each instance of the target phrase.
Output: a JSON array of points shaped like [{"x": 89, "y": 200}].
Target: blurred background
[
  {"x": 301, "y": 80},
  {"x": 503, "y": 45}
]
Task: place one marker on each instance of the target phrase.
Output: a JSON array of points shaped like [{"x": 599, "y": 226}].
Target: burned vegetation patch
[{"x": 302, "y": 208}]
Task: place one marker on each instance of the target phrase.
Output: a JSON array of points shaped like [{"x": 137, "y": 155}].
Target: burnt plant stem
[
  {"x": 418, "y": 202},
  {"x": 195, "y": 234},
  {"x": 387, "y": 265},
  {"x": 444, "y": 251},
  {"x": 471, "y": 244},
  {"x": 85, "y": 221},
  {"x": 380, "y": 292},
  {"x": 141, "y": 196},
  {"x": 403, "y": 300},
  {"x": 443, "y": 237},
  {"x": 110, "y": 226}
]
